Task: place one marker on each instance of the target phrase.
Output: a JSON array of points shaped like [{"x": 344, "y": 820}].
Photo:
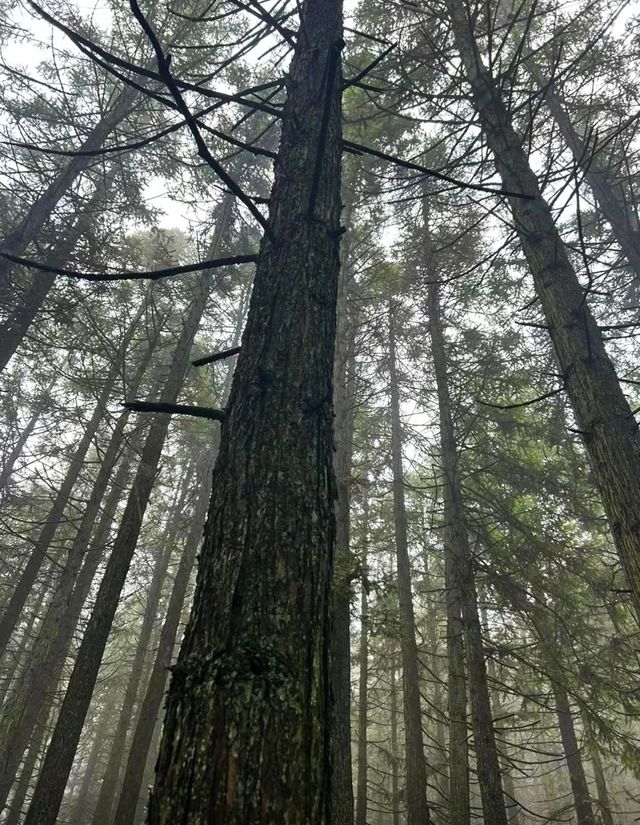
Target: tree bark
[
  {"x": 246, "y": 732},
  {"x": 415, "y": 764},
  {"x": 59, "y": 759},
  {"x": 604, "y": 418}
]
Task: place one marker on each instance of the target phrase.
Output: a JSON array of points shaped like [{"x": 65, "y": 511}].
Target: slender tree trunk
[
  {"x": 604, "y": 418},
  {"x": 579, "y": 787},
  {"x": 109, "y": 786},
  {"x": 59, "y": 759},
  {"x": 363, "y": 682},
  {"x": 129, "y": 797},
  {"x": 395, "y": 754},
  {"x": 604, "y": 801},
  {"x": 458, "y": 554},
  {"x": 54, "y": 518},
  {"x": 607, "y": 192},
  {"x": 15, "y": 808},
  {"x": 42, "y": 672},
  {"x": 79, "y": 814},
  {"x": 344, "y": 365},
  {"x": 16, "y": 452},
  {"x": 417, "y": 807},
  {"x": 246, "y": 734}
]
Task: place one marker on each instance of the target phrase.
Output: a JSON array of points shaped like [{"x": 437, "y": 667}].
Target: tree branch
[{"x": 174, "y": 409}]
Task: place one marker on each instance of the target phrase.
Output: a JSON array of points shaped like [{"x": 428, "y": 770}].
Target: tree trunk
[
  {"x": 604, "y": 418},
  {"x": 579, "y": 787},
  {"x": 42, "y": 672},
  {"x": 151, "y": 704},
  {"x": 343, "y": 392},
  {"x": 109, "y": 785},
  {"x": 55, "y": 516},
  {"x": 395, "y": 785},
  {"x": 460, "y": 570},
  {"x": 363, "y": 681},
  {"x": 14, "y": 455},
  {"x": 415, "y": 765},
  {"x": 14, "y": 809},
  {"x": 246, "y": 732},
  {"x": 59, "y": 759},
  {"x": 606, "y": 191}
]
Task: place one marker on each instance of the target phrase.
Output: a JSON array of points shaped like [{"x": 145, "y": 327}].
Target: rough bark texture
[
  {"x": 458, "y": 560},
  {"x": 246, "y": 732},
  {"x": 579, "y": 787},
  {"x": 415, "y": 763},
  {"x": 610, "y": 431},
  {"x": 59, "y": 759}
]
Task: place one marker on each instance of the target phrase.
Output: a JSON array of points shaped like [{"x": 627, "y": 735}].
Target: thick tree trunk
[
  {"x": 579, "y": 787},
  {"x": 363, "y": 680},
  {"x": 59, "y": 759},
  {"x": 246, "y": 732},
  {"x": 609, "y": 429},
  {"x": 415, "y": 764},
  {"x": 459, "y": 559}
]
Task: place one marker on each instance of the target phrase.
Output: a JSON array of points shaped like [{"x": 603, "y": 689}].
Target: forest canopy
[{"x": 319, "y": 386}]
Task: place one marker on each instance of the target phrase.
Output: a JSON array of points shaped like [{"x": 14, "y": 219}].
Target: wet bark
[
  {"x": 603, "y": 415},
  {"x": 246, "y": 732},
  {"x": 415, "y": 763}
]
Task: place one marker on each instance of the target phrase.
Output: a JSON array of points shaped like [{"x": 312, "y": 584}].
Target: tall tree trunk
[
  {"x": 80, "y": 810},
  {"x": 343, "y": 392},
  {"x": 458, "y": 555},
  {"x": 415, "y": 764},
  {"x": 609, "y": 429},
  {"x": 54, "y": 517},
  {"x": 363, "y": 681},
  {"x": 14, "y": 455},
  {"x": 42, "y": 672},
  {"x": 246, "y": 732},
  {"x": 150, "y": 708},
  {"x": 579, "y": 787},
  {"x": 14, "y": 813},
  {"x": 109, "y": 785},
  {"x": 607, "y": 192},
  {"x": 59, "y": 759},
  {"x": 395, "y": 755},
  {"x": 604, "y": 801}
]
